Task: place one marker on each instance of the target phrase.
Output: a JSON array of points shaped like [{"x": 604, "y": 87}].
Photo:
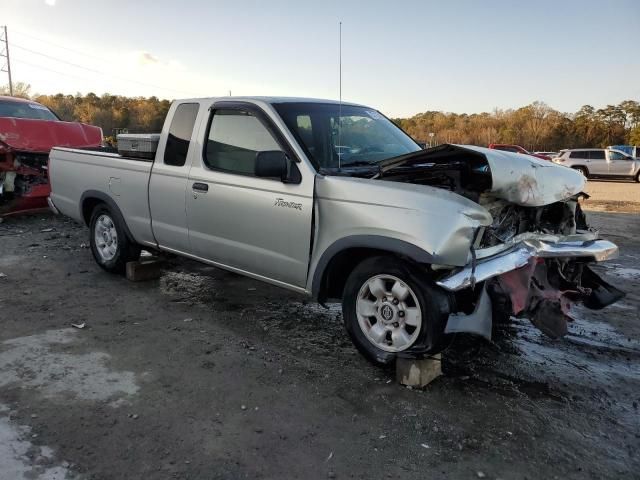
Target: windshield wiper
[
  {"x": 359, "y": 163},
  {"x": 353, "y": 169}
]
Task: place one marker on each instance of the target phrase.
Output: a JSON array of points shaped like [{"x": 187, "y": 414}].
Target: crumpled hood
[
  {"x": 527, "y": 180},
  {"x": 28, "y": 135},
  {"x": 520, "y": 179}
]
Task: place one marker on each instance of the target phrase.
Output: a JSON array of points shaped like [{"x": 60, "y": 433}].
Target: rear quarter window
[
  {"x": 579, "y": 154},
  {"x": 180, "y": 132}
]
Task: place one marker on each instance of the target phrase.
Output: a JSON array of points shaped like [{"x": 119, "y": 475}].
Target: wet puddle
[
  {"x": 41, "y": 363},
  {"x": 21, "y": 459},
  {"x": 622, "y": 271}
]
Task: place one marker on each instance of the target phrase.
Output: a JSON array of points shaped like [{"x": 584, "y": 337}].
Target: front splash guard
[{"x": 602, "y": 293}]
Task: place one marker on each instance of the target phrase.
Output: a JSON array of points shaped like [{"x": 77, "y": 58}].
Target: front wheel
[
  {"x": 110, "y": 246},
  {"x": 390, "y": 307}
]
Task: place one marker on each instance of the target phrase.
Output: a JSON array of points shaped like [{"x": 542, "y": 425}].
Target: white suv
[{"x": 600, "y": 162}]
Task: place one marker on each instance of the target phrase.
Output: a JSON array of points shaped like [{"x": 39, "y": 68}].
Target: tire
[
  {"x": 638, "y": 177},
  {"x": 393, "y": 301},
  {"x": 110, "y": 246},
  {"x": 582, "y": 170}
]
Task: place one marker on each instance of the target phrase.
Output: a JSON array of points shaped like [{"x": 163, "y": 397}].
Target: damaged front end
[
  {"x": 24, "y": 183},
  {"x": 533, "y": 260},
  {"x": 24, "y": 152},
  {"x": 536, "y": 279},
  {"x": 545, "y": 290}
]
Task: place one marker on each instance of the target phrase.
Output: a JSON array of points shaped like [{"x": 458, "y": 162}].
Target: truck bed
[{"x": 73, "y": 172}]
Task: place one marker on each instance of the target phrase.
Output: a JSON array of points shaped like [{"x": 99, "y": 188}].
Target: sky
[{"x": 401, "y": 57}]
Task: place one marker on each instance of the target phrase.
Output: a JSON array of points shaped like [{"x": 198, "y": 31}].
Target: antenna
[{"x": 339, "y": 95}]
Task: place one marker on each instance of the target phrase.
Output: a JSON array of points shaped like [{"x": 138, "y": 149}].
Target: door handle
[{"x": 200, "y": 187}]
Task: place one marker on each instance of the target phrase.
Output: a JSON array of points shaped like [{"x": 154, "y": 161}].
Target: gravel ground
[
  {"x": 206, "y": 374},
  {"x": 613, "y": 196}
]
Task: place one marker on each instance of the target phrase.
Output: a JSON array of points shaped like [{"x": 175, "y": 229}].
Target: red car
[
  {"x": 517, "y": 149},
  {"x": 28, "y": 130}
]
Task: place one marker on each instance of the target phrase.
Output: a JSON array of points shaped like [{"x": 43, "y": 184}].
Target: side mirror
[{"x": 272, "y": 164}]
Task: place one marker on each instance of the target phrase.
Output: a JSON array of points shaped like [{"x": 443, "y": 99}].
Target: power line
[
  {"x": 94, "y": 57},
  {"x": 99, "y": 72},
  {"x": 58, "y": 59},
  {"x": 59, "y": 46},
  {"x": 19, "y": 60},
  {"x": 75, "y": 65}
]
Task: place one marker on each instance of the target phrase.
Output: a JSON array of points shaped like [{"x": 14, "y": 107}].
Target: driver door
[{"x": 257, "y": 226}]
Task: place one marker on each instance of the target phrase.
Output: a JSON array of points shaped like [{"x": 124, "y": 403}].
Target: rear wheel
[
  {"x": 390, "y": 307},
  {"x": 582, "y": 170},
  {"x": 110, "y": 246}
]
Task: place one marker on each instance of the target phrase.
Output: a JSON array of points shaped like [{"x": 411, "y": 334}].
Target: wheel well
[
  {"x": 87, "y": 207},
  {"x": 340, "y": 267}
]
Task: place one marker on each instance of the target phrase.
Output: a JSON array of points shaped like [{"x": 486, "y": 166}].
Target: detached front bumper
[
  {"x": 521, "y": 254},
  {"x": 536, "y": 278}
]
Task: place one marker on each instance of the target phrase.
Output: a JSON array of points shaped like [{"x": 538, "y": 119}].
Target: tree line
[
  {"x": 112, "y": 113},
  {"x": 535, "y": 127}
]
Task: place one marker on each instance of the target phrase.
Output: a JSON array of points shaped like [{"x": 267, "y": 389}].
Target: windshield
[
  {"x": 365, "y": 136},
  {"x": 34, "y": 111}
]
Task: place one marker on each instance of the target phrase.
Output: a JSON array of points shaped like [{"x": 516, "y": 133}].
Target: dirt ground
[
  {"x": 203, "y": 374},
  {"x": 613, "y": 196}
]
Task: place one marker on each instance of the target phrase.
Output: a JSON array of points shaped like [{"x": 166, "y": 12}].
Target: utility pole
[{"x": 5, "y": 39}]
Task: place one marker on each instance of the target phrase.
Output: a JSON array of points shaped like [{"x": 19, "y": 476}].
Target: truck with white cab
[{"x": 334, "y": 201}]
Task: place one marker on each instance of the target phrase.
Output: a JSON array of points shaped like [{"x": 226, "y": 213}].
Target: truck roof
[{"x": 268, "y": 99}]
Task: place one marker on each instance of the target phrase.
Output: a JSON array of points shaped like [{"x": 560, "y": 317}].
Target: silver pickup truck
[{"x": 334, "y": 201}]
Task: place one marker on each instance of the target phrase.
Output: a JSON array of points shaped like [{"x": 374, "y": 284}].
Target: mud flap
[
  {"x": 479, "y": 322},
  {"x": 602, "y": 293}
]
